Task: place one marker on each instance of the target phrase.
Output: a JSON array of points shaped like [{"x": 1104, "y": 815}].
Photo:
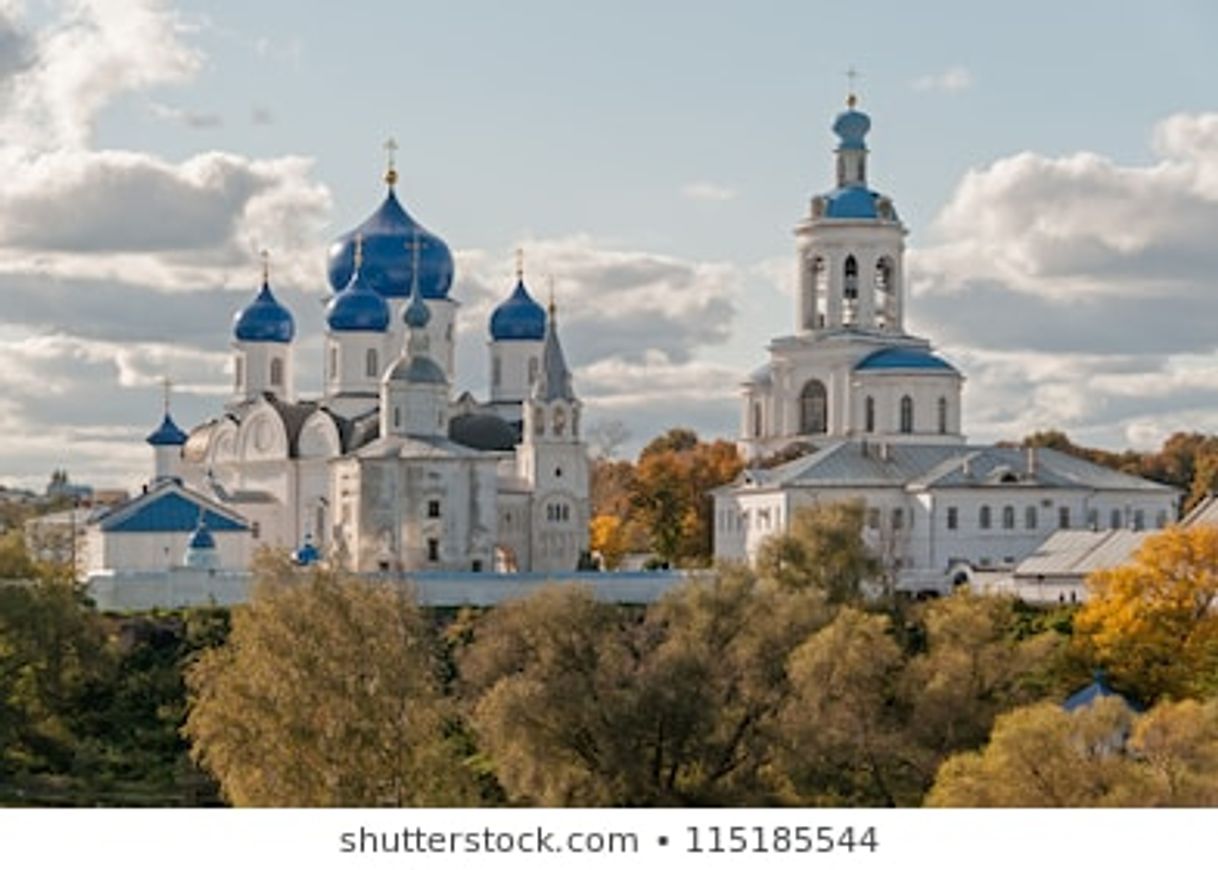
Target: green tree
[
  {"x": 324, "y": 695},
  {"x": 824, "y": 549},
  {"x": 15, "y": 562},
  {"x": 840, "y": 730}
]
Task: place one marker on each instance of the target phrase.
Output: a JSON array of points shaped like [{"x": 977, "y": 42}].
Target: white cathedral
[
  {"x": 386, "y": 470},
  {"x": 877, "y": 414}
]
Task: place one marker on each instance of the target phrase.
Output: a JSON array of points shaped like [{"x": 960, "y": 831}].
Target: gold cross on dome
[
  {"x": 266, "y": 265},
  {"x": 391, "y": 172},
  {"x": 520, "y": 264},
  {"x": 852, "y": 77},
  {"x": 166, "y": 387}
]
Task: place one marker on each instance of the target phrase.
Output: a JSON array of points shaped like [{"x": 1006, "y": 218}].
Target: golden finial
[
  {"x": 551, "y": 307},
  {"x": 520, "y": 264},
  {"x": 266, "y": 265},
  {"x": 391, "y": 172},
  {"x": 359, "y": 250},
  {"x": 851, "y": 76}
]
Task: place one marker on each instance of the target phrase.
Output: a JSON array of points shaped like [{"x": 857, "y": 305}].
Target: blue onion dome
[
  {"x": 358, "y": 308},
  {"x": 851, "y": 127},
  {"x": 264, "y": 319},
  {"x": 202, "y": 539},
  {"x": 519, "y": 317},
  {"x": 417, "y": 315},
  {"x": 387, "y": 267},
  {"x": 167, "y": 434}
]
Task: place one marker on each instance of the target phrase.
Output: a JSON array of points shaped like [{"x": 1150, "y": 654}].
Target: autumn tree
[
  {"x": 1043, "y": 756},
  {"x": 823, "y": 549},
  {"x": 324, "y": 695},
  {"x": 1178, "y": 745},
  {"x": 1152, "y": 623},
  {"x": 671, "y": 494},
  {"x": 582, "y": 703},
  {"x": 975, "y": 666},
  {"x": 840, "y": 733}
]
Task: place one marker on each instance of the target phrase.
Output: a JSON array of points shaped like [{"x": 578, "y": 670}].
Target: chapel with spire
[{"x": 382, "y": 469}]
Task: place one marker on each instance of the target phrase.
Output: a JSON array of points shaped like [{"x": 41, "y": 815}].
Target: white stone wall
[{"x": 517, "y": 364}]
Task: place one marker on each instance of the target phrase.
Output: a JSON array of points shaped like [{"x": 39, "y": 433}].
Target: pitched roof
[
  {"x": 170, "y": 507},
  {"x": 1078, "y": 552}
]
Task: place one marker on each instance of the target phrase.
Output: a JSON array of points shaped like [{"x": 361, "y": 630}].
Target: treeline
[
  {"x": 750, "y": 688},
  {"x": 1187, "y": 460}
]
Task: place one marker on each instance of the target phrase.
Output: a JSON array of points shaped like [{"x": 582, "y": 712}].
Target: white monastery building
[
  {"x": 385, "y": 470},
  {"x": 878, "y": 414}
]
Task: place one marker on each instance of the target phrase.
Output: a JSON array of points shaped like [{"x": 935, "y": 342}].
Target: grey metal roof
[
  {"x": 418, "y": 369},
  {"x": 483, "y": 432},
  {"x": 416, "y": 447},
  {"x": 936, "y": 466},
  {"x": 554, "y": 381},
  {"x": 1078, "y": 552},
  {"x": 1205, "y": 512}
]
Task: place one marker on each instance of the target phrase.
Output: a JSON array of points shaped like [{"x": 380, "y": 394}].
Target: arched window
[
  {"x": 869, "y": 414},
  {"x": 575, "y": 422},
  {"x": 813, "y": 409},
  {"x": 397, "y": 418},
  {"x": 532, "y": 370},
  {"x": 237, "y": 373},
  {"x": 539, "y": 421},
  {"x": 820, "y": 280},
  {"x": 560, "y": 420},
  {"x": 333, "y": 362},
  {"x": 850, "y": 290},
  {"x": 496, "y": 371},
  {"x": 371, "y": 363},
  {"x": 276, "y": 372},
  {"x": 983, "y": 516},
  {"x": 907, "y": 411},
  {"x": 884, "y": 294},
  {"x": 1029, "y": 516},
  {"x": 1115, "y": 518},
  {"x": 942, "y": 415},
  {"x": 756, "y": 419},
  {"x": 1008, "y": 517}
]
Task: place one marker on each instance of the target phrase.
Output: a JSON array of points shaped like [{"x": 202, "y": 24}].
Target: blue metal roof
[
  {"x": 168, "y": 511},
  {"x": 1092, "y": 692},
  {"x": 519, "y": 317},
  {"x": 167, "y": 434},
  {"x": 357, "y": 308},
  {"x": 202, "y": 539},
  {"x": 264, "y": 319},
  {"x": 903, "y": 358},
  {"x": 307, "y": 554},
  {"x": 851, "y": 202},
  {"x": 387, "y": 261}
]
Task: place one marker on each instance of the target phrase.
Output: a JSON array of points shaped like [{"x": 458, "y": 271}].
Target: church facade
[
  {"x": 385, "y": 470},
  {"x": 877, "y": 413}
]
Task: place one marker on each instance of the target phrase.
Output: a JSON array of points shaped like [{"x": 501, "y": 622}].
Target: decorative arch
[
  {"x": 262, "y": 436},
  {"x": 850, "y": 290},
  {"x": 813, "y": 408},
  {"x": 319, "y": 437}
]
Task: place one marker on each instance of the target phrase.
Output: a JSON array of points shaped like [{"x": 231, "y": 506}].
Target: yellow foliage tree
[
  {"x": 324, "y": 695},
  {"x": 1152, "y": 623},
  {"x": 607, "y": 536}
]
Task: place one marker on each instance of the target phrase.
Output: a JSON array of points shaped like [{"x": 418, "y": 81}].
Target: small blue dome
[
  {"x": 202, "y": 539},
  {"x": 851, "y": 127},
  {"x": 387, "y": 265},
  {"x": 306, "y": 554},
  {"x": 851, "y": 202},
  {"x": 264, "y": 319},
  {"x": 417, "y": 315},
  {"x": 903, "y": 358},
  {"x": 167, "y": 434},
  {"x": 519, "y": 317},
  {"x": 357, "y": 309}
]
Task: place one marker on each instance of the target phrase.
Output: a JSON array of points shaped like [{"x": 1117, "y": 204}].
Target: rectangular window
[
  {"x": 1029, "y": 516},
  {"x": 898, "y": 518},
  {"x": 433, "y": 550},
  {"x": 433, "y": 508},
  {"x": 953, "y": 518},
  {"x": 255, "y": 531},
  {"x": 1139, "y": 520},
  {"x": 1063, "y": 517},
  {"x": 873, "y": 518}
]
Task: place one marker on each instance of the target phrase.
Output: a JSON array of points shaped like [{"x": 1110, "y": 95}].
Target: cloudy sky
[{"x": 1056, "y": 164}]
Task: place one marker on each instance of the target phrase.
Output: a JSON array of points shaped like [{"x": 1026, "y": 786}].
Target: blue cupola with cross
[{"x": 388, "y": 266}]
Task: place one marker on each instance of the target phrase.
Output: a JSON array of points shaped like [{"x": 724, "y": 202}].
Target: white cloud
[
  {"x": 708, "y": 191},
  {"x": 950, "y": 80},
  {"x": 186, "y": 117},
  {"x": 1077, "y": 292}
]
